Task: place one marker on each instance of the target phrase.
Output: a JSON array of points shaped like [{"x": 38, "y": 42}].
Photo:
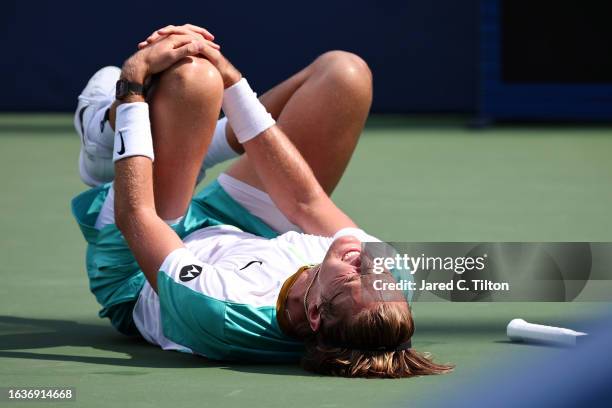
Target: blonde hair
[{"x": 348, "y": 348}]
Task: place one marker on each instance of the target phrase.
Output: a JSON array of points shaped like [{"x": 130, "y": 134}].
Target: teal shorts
[{"x": 114, "y": 276}]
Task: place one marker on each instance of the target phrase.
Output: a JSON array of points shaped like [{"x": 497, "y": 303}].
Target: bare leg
[
  {"x": 185, "y": 106},
  {"x": 322, "y": 109}
]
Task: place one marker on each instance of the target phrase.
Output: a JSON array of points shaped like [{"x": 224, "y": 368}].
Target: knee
[
  {"x": 192, "y": 76},
  {"x": 345, "y": 70}
]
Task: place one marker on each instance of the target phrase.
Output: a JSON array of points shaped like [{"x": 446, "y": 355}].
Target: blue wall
[{"x": 423, "y": 53}]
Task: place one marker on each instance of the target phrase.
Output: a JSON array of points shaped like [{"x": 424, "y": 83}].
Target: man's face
[{"x": 345, "y": 284}]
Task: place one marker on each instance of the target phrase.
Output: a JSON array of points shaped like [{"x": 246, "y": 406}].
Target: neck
[{"x": 295, "y": 303}]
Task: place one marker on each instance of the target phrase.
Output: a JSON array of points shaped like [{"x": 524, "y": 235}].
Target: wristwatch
[{"x": 125, "y": 88}]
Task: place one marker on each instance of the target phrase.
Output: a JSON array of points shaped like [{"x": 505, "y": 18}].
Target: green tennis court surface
[{"x": 410, "y": 180}]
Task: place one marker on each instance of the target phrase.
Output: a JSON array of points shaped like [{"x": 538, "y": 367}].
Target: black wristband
[{"x": 125, "y": 88}]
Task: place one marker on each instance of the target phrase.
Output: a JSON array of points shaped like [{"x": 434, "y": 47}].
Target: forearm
[
  {"x": 292, "y": 185},
  {"x": 133, "y": 170},
  {"x": 149, "y": 238},
  {"x": 285, "y": 174}
]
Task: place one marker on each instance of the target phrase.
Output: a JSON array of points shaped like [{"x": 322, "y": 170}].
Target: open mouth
[{"x": 352, "y": 257}]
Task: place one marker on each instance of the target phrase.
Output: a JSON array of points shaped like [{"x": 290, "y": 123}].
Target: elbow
[
  {"x": 127, "y": 218},
  {"x": 300, "y": 212},
  {"x": 297, "y": 213},
  {"x": 121, "y": 220}
]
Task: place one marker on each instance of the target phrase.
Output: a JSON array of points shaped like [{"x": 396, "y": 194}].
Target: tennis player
[{"x": 261, "y": 265}]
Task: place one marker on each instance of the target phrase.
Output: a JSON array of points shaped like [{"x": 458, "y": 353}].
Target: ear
[{"x": 314, "y": 317}]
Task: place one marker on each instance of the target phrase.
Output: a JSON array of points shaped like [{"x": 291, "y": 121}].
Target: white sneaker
[{"x": 91, "y": 124}]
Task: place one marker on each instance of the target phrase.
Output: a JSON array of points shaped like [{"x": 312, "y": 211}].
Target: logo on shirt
[
  {"x": 190, "y": 272},
  {"x": 251, "y": 263}
]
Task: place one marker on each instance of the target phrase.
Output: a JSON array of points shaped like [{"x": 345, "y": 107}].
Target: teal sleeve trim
[{"x": 222, "y": 330}]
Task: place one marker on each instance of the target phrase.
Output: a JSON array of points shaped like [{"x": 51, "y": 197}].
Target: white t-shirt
[
  {"x": 235, "y": 266},
  {"x": 228, "y": 264}
]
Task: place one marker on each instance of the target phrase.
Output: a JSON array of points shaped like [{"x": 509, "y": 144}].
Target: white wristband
[
  {"x": 133, "y": 131},
  {"x": 246, "y": 115},
  {"x": 357, "y": 233}
]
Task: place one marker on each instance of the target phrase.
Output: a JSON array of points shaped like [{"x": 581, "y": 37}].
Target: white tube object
[{"x": 520, "y": 330}]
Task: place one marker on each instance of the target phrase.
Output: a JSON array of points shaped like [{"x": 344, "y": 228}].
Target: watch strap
[{"x": 125, "y": 88}]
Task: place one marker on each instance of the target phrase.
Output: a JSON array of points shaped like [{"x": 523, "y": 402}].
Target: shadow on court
[
  {"x": 19, "y": 333},
  {"x": 39, "y": 335}
]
